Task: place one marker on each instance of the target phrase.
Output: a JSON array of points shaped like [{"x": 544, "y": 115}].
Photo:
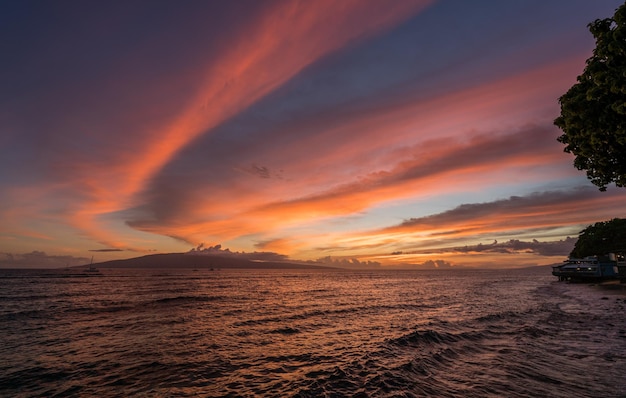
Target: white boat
[{"x": 592, "y": 268}]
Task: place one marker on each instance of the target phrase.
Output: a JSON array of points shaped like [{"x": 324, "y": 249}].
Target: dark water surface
[{"x": 305, "y": 333}]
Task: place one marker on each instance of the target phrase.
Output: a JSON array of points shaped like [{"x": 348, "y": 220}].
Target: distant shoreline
[{"x": 193, "y": 261}]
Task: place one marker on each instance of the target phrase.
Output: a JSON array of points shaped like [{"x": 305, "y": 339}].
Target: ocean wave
[
  {"x": 186, "y": 299},
  {"x": 431, "y": 337},
  {"x": 286, "y": 330},
  {"x": 24, "y": 315}
]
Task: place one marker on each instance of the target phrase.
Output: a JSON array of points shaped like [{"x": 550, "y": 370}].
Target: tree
[
  {"x": 601, "y": 238},
  {"x": 593, "y": 111}
]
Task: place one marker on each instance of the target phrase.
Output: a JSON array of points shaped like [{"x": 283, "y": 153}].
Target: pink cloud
[
  {"x": 380, "y": 156},
  {"x": 272, "y": 49}
]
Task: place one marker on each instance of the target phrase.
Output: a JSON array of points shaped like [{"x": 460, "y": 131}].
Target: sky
[{"x": 388, "y": 133}]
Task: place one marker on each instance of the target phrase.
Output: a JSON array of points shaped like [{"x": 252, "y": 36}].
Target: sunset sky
[{"x": 392, "y": 132}]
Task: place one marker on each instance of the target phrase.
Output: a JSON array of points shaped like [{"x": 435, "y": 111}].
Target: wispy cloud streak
[
  {"x": 278, "y": 43},
  {"x": 516, "y": 212},
  {"x": 306, "y": 128},
  {"x": 349, "y": 172}
]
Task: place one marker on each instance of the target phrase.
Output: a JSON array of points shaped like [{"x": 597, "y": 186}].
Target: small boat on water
[
  {"x": 92, "y": 269},
  {"x": 591, "y": 268}
]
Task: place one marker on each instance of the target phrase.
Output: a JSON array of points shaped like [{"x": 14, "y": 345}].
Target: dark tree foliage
[
  {"x": 601, "y": 238},
  {"x": 593, "y": 111}
]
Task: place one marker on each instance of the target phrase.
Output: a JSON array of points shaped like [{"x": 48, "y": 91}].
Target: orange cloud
[
  {"x": 286, "y": 39},
  {"x": 529, "y": 216},
  {"x": 283, "y": 41},
  {"x": 430, "y": 141},
  {"x": 371, "y": 141}
]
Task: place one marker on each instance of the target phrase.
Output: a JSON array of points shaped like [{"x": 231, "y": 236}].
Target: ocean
[{"x": 309, "y": 333}]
